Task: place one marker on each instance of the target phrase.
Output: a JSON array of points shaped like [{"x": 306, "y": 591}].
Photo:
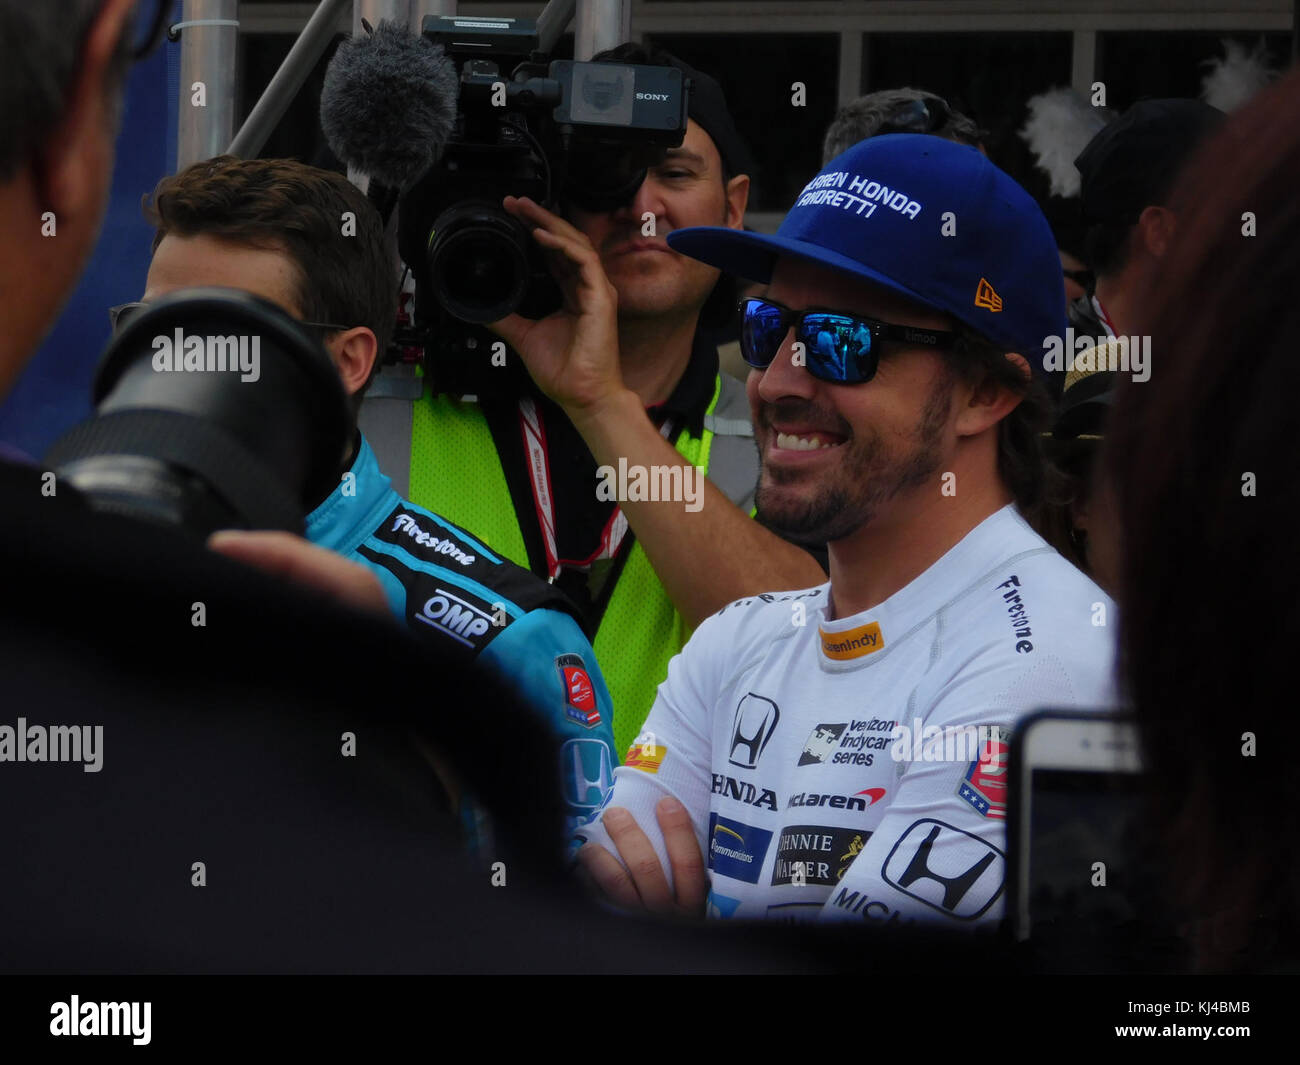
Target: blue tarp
[{"x": 54, "y": 391}]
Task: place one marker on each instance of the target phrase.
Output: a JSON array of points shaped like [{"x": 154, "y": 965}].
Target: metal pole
[
  {"x": 420, "y": 8},
  {"x": 295, "y": 69},
  {"x": 375, "y": 11},
  {"x": 552, "y": 22},
  {"x": 206, "y": 115},
  {"x": 601, "y": 24}
]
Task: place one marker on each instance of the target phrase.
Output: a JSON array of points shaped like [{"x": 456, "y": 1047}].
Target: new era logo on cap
[
  {"x": 986, "y": 297},
  {"x": 926, "y": 218}
]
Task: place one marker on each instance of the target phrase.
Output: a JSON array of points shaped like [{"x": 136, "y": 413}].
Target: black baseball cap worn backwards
[
  {"x": 927, "y": 218},
  {"x": 1131, "y": 163}
]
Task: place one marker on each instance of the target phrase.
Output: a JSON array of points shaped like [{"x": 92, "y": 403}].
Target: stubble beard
[{"x": 867, "y": 479}]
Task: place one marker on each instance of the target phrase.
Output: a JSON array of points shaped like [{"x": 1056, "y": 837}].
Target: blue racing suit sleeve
[{"x": 546, "y": 657}]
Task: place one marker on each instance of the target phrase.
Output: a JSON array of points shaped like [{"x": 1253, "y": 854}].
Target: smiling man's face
[{"x": 836, "y": 457}]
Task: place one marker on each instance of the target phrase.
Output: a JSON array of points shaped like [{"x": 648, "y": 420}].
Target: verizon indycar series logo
[
  {"x": 579, "y": 694},
  {"x": 847, "y": 742}
]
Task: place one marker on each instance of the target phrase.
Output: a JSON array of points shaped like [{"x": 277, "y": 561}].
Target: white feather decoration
[
  {"x": 1059, "y": 127},
  {"x": 1235, "y": 78}
]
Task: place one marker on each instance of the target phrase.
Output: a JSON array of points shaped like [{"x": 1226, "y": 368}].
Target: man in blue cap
[{"x": 840, "y": 752}]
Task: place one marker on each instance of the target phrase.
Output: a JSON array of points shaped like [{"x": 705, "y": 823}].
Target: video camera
[{"x": 557, "y": 131}]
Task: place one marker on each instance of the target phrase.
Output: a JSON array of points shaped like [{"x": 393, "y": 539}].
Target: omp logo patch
[
  {"x": 854, "y": 643},
  {"x": 985, "y": 297},
  {"x": 454, "y": 617}
]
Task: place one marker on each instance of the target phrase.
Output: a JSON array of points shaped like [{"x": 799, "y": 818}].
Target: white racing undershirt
[{"x": 856, "y": 768}]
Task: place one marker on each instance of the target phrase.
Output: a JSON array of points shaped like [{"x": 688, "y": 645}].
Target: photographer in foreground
[{"x": 220, "y": 824}]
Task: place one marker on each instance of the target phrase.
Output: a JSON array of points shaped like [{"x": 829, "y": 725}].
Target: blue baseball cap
[{"x": 925, "y": 217}]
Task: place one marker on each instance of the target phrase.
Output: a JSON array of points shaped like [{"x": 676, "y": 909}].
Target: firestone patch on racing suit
[{"x": 451, "y": 589}]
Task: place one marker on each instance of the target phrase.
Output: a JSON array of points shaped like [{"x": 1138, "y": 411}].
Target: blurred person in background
[
  {"x": 1126, "y": 173},
  {"x": 1202, "y": 460},
  {"x": 897, "y": 111},
  {"x": 1074, "y": 505}
]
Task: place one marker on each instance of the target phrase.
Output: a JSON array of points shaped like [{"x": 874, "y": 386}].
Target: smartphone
[{"x": 1086, "y": 891}]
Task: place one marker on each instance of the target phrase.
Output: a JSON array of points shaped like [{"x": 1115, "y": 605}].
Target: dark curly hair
[{"x": 1022, "y": 462}]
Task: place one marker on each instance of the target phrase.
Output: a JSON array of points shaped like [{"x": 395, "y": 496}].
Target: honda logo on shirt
[
  {"x": 754, "y": 724},
  {"x": 588, "y": 774},
  {"x": 948, "y": 869}
]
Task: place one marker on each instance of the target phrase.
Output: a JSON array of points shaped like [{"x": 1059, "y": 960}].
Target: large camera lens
[
  {"x": 213, "y": 410},
  {"x": 478, "y": 261}
]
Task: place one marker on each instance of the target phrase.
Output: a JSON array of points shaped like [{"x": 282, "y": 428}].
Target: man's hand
[
  {"x": 573, "y": 353},
  {"x": 643, "y": 883},
  {"x": 293, "y": 558}
]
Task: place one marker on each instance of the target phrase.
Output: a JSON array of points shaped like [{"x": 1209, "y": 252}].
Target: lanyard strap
[
  {"x": 533, "y": 429},
  {"x": 1103, "y": 316}
]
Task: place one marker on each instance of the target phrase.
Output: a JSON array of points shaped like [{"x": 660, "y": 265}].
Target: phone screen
[{"x": 1097, "y": 901}]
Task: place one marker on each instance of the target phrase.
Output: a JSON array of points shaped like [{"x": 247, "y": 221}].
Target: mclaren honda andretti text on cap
[{"x": 924, "y": 217}]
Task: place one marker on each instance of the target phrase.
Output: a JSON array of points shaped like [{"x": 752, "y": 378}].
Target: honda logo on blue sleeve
[{"x": 587, "y": 771}]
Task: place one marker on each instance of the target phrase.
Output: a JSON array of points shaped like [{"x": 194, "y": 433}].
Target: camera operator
[
  {"x": 272, "y": 228},
  {"x": 632, "y": 379}
]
